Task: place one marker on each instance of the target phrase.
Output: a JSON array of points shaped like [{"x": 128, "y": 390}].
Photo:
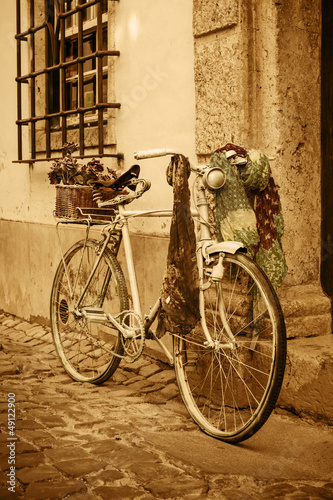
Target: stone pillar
[{"x": 257, "y": 75}]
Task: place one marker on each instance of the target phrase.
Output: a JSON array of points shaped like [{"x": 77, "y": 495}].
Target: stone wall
[{"x": 257, "y": 75}]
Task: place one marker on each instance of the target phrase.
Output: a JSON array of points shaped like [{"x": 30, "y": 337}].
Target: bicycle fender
[{"x": 225, "y": 246}]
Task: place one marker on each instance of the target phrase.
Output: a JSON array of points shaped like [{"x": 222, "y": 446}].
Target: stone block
[
  {"x": 152, "y": 388},
  {"x": 210, "y": 16},
  {"x": 40, "y": 438},
  {"x": 8, "y": 370},
  {"x": 120, "y": 492},
  {"x": 308, "y": 326},
  {"x": 219, "y": 93},
  {"x": 164, "y": 377},
  {"x": 81, "y": 466},
  {"x": 140, "y": 385},
  {"x": 11, "y": 322},
  {"x": 132, "y": 380},
  {"x": 40, "y": 473},
  {"x": 308, "y": 383},
  {"x": 125, "y": 458},
  {"x": 52, "y": 421},
  {"x": 30, "y": 460},
  {"x": 105, "y": 477},
  {"x": 149, "y": 370},
  {"x": 31, "y": 342},
  {"x": 58, "y": 489},
  {"x": 154, "y": 398},
  {"x": 48, "y": 348},
  {"x": 89, "y": 424},
  {"x": 136, "y": 366},
  {"x": 63, "y": 454},
  {"x": 23, "y": 326},
  {"x": 161, "y": 487},
  {"x": 41, "y": 334},
  {"x": 146, "y": 471},
  {"x": 99, "y": 447},
  {"x": 24, "y": 447},
  {"x": 119, "y": 377},
  {"x": 35, "y": 329},
  {"x": 170, "y": 392},
  {"x": 28, "y": 424},
  {"x": 20, "y": 336},
  {"x": 5, "y": 494},
  {"x": 307, "y": 311},
  {"x": 303, "y": 299}
]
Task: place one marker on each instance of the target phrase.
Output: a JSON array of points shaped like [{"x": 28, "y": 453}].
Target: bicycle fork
[
  {"x": 216, "y": 275},
  {"x": 214, "y": 278}
]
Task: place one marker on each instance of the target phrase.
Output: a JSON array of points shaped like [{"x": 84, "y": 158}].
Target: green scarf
[{"x": 248, "y": 210}]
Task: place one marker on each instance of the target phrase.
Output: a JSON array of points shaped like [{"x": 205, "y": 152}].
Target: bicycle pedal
[{"x": 95, "y": 314}]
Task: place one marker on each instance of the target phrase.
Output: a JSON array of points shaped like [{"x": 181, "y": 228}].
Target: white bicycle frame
[{"x": 206, "y": 247}]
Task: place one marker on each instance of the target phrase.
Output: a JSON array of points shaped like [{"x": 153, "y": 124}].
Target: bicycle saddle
[{"x": 123, "y": 181}]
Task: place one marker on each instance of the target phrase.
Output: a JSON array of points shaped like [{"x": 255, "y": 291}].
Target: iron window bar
[
  {"x": 51, "y": 42},
  {"x": 93, "y": 55}
]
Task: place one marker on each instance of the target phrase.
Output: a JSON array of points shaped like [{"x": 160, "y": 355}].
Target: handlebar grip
[{"x": 153, "y": 153}]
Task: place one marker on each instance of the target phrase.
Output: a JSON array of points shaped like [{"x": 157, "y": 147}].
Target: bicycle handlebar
[{"x": 153, "y": 153}]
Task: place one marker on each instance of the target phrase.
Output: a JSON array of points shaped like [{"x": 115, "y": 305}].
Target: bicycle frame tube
[
  {"x": 96, "y": 264},
  {"x": 123, "y": 219},
  {"x": 205, "y": 235}
]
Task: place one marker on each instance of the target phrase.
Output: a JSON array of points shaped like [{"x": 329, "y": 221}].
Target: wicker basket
[{"x": 76, "y": 203}]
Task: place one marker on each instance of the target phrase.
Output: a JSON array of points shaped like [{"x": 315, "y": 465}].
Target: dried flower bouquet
[{"x": 69, "y": 171}]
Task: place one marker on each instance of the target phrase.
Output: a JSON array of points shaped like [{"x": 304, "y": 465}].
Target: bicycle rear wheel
[
  {"x": 87, "y": 344},
  {"x": 231, "y": 386}
]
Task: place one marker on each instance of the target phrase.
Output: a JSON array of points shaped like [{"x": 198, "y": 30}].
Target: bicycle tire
[
  {"x": 89, "y": 351},
  {"x": 231, "y": 391}
]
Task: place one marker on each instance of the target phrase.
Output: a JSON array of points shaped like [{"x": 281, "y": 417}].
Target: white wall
[
  {"x": 14, "y": 178},
  {"x": 155, "y": 86}
]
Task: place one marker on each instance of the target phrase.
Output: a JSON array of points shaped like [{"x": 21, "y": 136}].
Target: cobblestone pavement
[{"x": 131, "y": 438}]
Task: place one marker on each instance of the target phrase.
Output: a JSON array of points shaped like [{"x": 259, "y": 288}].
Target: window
[{"x": 66, "y": 92}]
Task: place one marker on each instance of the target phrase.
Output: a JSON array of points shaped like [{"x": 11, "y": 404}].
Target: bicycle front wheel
[
  {"x": 89, "y": 348},
  {"x": 230, "y": 385}
]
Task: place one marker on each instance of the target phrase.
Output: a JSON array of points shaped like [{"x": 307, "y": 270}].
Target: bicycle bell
[{"x": 213, "y": 178}]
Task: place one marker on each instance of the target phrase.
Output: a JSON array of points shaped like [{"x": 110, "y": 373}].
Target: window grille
[{"x": 63, "y": 94}]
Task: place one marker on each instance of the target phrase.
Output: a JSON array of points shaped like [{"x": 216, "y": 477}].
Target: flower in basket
[{"x": 69, "y": 171}]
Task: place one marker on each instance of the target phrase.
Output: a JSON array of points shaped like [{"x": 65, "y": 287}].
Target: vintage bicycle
[{"x": 229, "y": 368}]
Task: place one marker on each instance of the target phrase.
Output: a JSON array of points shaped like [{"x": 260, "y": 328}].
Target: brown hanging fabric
[{"x": 180, "y": 290}]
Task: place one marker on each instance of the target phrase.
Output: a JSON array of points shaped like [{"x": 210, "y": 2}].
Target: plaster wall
[
  {"x": 30, "y": 253},
  {"x": 154, "y": 82}
]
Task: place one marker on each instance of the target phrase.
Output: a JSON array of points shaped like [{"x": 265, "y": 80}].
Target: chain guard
[{"x": 134, "y": 344}]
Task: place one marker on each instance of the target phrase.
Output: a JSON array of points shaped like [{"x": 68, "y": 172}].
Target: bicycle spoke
[
  {"x": 89, "y": 348},
  {"x": 228, "y": 384}
]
